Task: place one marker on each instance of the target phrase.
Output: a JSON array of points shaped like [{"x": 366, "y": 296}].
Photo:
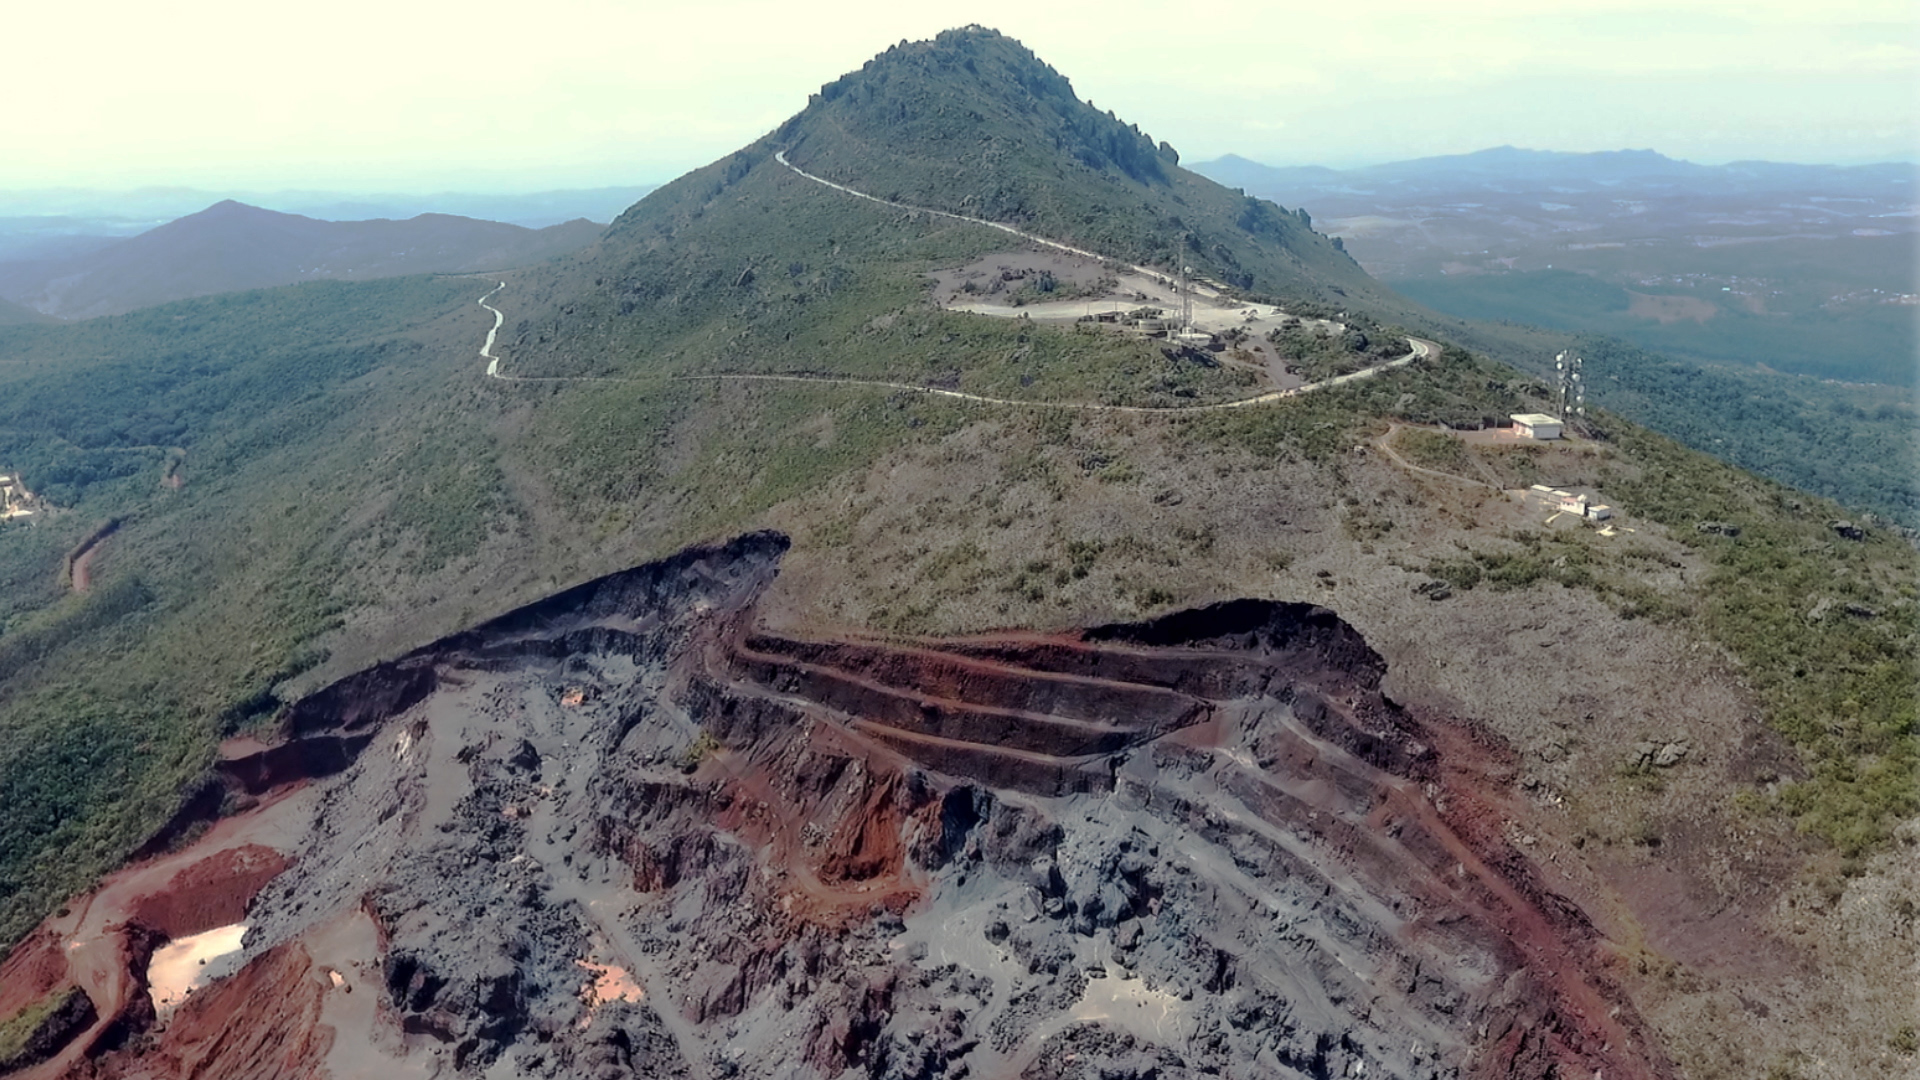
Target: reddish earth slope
[{"x": 1202, "y": 845}]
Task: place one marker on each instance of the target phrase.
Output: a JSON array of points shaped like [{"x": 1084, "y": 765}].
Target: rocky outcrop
[
  {"x": 1205, "y": 844},
  {"x": 73, "y": 1014}
]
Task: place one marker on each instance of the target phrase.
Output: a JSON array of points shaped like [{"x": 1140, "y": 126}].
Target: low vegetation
[
  {"x": 1804, "y": 334},
  {"x": 1314, "y": 352},
  {"x": 1858, "y": 445},
  {"x": 353, "y": 485},
  {"x": 1823, "y": 626},
  {"x": 17, "y": 1029}
]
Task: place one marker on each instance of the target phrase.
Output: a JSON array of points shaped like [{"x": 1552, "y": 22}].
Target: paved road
[
  {"x": 486, "y": 350},
  {"x": 1419, "y": 349}
]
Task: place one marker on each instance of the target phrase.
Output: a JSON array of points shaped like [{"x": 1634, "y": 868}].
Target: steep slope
[
  {"x": 1676, "y": 758},
  {"x": 230, "y": 246},
  {"x": 973, "y": 123},
  {"x": 806, "y": 877}
]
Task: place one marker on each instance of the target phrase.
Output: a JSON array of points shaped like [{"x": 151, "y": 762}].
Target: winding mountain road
[
  {"x": 1418, "y": 349},
  {"x": 781, "y": 157}
]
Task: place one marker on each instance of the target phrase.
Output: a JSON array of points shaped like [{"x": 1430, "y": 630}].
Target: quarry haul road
[{"x": 1417, "y": 348}]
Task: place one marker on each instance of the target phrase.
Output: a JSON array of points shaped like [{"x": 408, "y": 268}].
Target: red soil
[
  {"x": 264, "y": 1021},
  {"x": 102, "y": 945},
  {"x": 212, "y": 892},
  {"x": 80, "y": 559},
  {"x": 1565, "y": 956},
  {"x": 1027, "y": 710},
  {"x": 35, "y": 968},
  {"x": 833, "y": 826}
]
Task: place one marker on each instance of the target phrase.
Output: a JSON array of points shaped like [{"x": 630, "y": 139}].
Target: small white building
[
  {"x": 1535, "y": 425},
  {"x": 1582, "y": 506}
]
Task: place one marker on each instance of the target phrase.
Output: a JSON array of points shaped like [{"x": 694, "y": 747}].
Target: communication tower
[
  {"x": 1186, "y": 299},
  {"x": 1572, "y": 388}
]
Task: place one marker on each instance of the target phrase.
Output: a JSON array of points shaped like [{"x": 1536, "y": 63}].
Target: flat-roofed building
[{"x": 1535, "y": 425}]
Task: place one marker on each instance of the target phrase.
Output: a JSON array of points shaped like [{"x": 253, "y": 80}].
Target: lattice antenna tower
[
  {"x": 1186, "y": 299},
  {"x": 1572, "y": 387}
]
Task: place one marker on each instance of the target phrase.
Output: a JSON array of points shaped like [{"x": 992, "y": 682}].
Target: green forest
[{"x": 1866, "y": 342}]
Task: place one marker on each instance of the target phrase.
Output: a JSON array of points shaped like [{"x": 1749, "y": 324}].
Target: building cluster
[
  {"x": 1567, "y": 502},
  {"x": 1158, "y": 326},
  {"x": 15, "y": 499}
]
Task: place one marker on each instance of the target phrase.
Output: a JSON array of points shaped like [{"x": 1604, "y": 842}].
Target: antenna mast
[
  {"x": 1572, "y": 388},
  {"x": 1186, "y": 300}
]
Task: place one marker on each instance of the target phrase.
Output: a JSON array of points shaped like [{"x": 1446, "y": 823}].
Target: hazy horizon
[
  {"x": 478, "y": 98},
  {"x": 535, "y": 189}
]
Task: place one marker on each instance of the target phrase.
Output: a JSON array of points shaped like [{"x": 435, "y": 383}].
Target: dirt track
[
  {"x": 103, "y": 945},
  {"x": 80, "y": 559},
  {"x": 1417, "y": 348}
]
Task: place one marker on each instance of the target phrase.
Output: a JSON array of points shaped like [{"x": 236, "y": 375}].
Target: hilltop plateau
[{"x": 737, "y": 648}]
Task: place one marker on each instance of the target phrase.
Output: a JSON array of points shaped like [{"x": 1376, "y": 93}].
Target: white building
[{"x": 1536, "y": 426}]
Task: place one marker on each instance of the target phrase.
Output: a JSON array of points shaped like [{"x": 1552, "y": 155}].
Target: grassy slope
[
  {"x": 285, "y": 405},
  {"x": 354, "y": 485}
]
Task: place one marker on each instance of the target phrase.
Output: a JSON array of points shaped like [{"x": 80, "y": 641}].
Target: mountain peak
[
  {"x": 230, "y": 208},
  {"x": 972, "y": 124},
  {"x": 947, "y": 95}
]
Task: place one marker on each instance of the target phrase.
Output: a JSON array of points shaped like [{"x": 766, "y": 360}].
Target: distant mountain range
[
  {"x": 63, "y": 223},
  {"x": 1510, "y": 166},
  {"x": 126, "y": 212},
  {"x": 231, "y": 246}
]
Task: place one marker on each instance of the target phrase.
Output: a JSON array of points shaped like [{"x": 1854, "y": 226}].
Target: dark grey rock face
[{"x": 1205, "y": 845}]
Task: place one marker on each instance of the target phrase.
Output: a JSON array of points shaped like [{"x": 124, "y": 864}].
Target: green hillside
[
  {"x": 973, "y": 123},
  {"x": 313, "y": 478},
  {"x": 230, "y": 247},
  {"x": 1863, "y": 342}
]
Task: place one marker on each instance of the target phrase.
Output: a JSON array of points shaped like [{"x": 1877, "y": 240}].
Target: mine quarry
[{"x": 627, "y": 831}]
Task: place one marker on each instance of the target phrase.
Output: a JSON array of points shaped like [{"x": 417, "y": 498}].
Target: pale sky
[{"x": 385, "y": 95}]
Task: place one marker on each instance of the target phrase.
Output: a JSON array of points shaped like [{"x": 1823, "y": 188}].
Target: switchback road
[{"x": 1417, "y": 349}]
